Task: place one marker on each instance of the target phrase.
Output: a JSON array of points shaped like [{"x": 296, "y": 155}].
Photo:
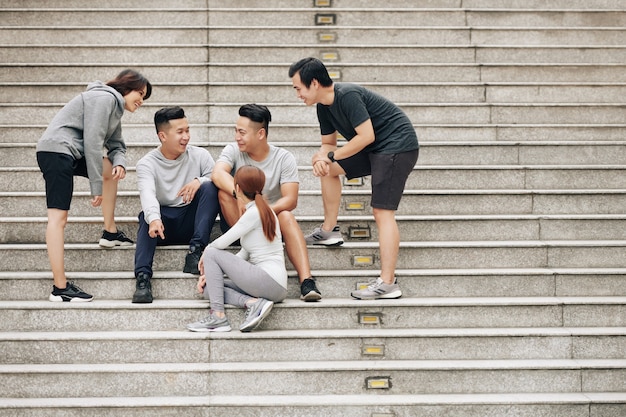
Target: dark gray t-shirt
[{"x": 353, "y": 105}]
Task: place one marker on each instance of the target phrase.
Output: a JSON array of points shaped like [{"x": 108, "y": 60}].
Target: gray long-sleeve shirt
[
  {"x": 85, "y": 126},
  {"x": 160, "y": 179}
]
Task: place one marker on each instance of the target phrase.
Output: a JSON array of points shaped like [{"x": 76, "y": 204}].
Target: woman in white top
[{"x": 257, "y": 277}]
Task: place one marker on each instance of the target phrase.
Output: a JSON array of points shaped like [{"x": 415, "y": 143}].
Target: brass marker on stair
[
  {"x": 373, "y": 350},
  {"x": 325, "y": 19},
  {"x": 378, "y": 382},
  {"x": 370, "y": 318}
]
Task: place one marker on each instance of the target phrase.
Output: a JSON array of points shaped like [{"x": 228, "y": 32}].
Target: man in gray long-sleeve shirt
[{"x": 178, "y": 200}]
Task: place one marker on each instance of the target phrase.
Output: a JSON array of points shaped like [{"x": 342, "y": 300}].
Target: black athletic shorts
[
  {"x": 58, "y": 171},
  {"x": 389, "y": 174}
]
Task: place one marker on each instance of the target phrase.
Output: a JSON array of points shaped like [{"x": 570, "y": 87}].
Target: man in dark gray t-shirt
[{"x": 381, "y": 142}]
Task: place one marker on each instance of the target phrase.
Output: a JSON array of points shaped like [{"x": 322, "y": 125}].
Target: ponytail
[
  {"x": 268, "y": 218},
  {"x": 251, "y": 181}
]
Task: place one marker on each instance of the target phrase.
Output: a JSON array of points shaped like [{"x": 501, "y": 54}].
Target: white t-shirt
[{"x": 280, "y": 167}]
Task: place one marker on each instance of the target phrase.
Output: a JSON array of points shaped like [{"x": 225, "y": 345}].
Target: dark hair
[
  {"x": 130, "y": 80},
  {"x": 162, "y": 117},
  {"x": 257, "y": 113},
  {"x": 251, "y": 181},
  {"x": 311, "y": 69}
]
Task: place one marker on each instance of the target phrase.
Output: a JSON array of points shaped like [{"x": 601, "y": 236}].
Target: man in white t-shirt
[{"x": 281, "y": 186}]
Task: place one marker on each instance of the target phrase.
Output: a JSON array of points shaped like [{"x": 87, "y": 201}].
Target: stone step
[
  {"x": 168, "y": 72},
  {"x": 575, "y": 404},
  {"x": 478, "y": 282},
  {"x": 20, "y": 92},
  {"x": 411, "y": 54},
  {"x": 356, "y": 202},
  {"x": 405, "y": 313},
  {"x": 281, "y": 133},
  {"x": 312, "y": 345},
  {"x": 363, "y": 228},
  {"x": 324, "y": 378},
  {"x": 394, "y": 35},
  {"x": 284, "y": 54},
  {"x": 593, "y": 114},
  {"x": 355, "y": 17},
  {"x": 346, "y": 35},
  {"x": 427, "y": 255},
  {"x": 581, "y": 154},
  {"x": 21, "y": 182}
]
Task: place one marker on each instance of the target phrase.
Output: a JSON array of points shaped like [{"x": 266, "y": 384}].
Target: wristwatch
[{"x": 331, "y": 156}]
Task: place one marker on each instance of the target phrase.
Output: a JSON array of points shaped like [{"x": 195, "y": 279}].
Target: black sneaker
[
  {"x": 308, "y": 291},
  {"x": 71, "y": 293},
  {"x": 143, "y": 290},
  {"x": 191, "y": 260},
  {"x": 111, "y": 240}
]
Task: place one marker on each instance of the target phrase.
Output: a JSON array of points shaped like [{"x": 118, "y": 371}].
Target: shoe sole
[
  {"x": 256, "y": 322},
  {"x": 311, "y": 296},
  {"x": 328, "y": 242},
  {"x": 61, "y": 299},
  {"x": 391, "y": 295},
  {"x": 142, "y": 300},
  {"x": 113, "y": 243},
  {"x": 216, "y": 329},
  {"x": 189, "y": 271}
]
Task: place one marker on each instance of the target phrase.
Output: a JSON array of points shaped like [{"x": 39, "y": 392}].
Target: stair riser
[
  {"x": 322, "y": 383},
  {"x": 197, "y": 72},
  {"x": 335, "y": 410},
  {"x": 428, "y": 94},
  {"x": 317, "y": 349},
  {"x": 91, "y": 258},
  {"x": 28, "y": 231},
  {"x": 152, "y": 319},
  {"x": 169, "y": 285},
  {"x": 143, "y": 133},
  {"x": 310, "y": 205}
]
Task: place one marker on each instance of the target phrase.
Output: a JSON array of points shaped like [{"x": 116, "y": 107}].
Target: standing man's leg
[
  {"x": 328, "y": 234},
  {"x": 388, "y": 242},
  {"x": 389, "y": 175}
]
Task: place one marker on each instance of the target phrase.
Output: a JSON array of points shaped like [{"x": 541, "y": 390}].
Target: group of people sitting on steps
[{"x": 253, "y": 186}]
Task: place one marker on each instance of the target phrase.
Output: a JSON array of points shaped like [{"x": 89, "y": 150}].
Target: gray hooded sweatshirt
[{"x": 90, "y": 122}]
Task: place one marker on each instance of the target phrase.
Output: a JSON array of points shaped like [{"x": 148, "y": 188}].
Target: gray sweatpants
[{"x": 245, "y": 281}]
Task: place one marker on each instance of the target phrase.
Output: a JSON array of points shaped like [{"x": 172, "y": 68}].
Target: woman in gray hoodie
[{"x": 73, "y": 145}]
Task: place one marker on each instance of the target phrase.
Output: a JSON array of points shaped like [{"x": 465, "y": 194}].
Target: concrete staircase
[{"x": 512, "y": 224}]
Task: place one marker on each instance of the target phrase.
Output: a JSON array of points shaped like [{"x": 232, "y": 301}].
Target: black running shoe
[
  {"x": 111, "y": 240},
  {"x": 143, "y": 290},
  {"x": 308, "y": 291},
  {"x": 71, "y": 293},
  {"x": 191, "y": 260}
]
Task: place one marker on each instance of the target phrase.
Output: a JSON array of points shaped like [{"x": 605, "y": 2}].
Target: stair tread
[
  {"x": 314, "y": 334},
  {"x": 315, "y": 400},
  {"x": 301, "y": 366},
  {"x": 325, "y": 303}
]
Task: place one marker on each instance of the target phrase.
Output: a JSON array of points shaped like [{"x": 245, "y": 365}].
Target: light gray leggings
[{"x": 245, "y": 281}]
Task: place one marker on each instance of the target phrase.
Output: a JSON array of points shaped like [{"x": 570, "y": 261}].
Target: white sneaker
[
  {"x": 378, "y": 289},
  {"x": 320, "y": 236}
]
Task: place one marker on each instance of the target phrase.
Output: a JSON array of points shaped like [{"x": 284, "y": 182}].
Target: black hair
[
  {"x": 257, "y": 113},
  {"x": 311, "y": 69},
  {"x": 130, "y": 80},
  {"x": 163, "y": 116}
]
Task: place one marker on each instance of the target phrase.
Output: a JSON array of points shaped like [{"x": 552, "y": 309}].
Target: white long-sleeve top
[{"x": 255, "y": 247}]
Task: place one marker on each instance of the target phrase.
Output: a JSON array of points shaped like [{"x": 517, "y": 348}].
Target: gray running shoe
[
  {"x": 210, "y": 323},
  {"x": 255, "y": 314},
  {"x": 378, "y": 289},
  {"x": 320, "y": 236}
]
